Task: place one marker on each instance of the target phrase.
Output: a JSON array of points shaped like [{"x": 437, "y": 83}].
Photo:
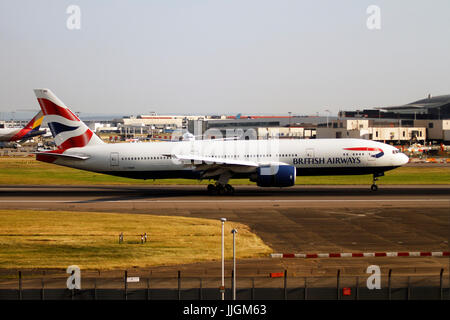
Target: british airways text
[{"x": 335, "y": 160}]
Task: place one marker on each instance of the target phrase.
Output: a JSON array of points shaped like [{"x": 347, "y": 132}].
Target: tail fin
[
  {"x": 36, "y": 122},
  {"x": 31, "y": 129},
  {"x": 67, "y": 129}
]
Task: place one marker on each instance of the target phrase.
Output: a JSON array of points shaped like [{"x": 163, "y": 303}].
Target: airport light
[
  {"x": 234, "y": 231},
  {"x": 329, "y": 113},
  {"x": 222, "y": 288}
]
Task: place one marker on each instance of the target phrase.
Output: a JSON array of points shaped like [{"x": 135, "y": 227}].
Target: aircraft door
[
  {"x": 114, "y": 159},
  {"x": 310, "y": 153}
]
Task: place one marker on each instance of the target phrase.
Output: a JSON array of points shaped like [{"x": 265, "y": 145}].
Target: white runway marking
[{"x": 228, "y": 201}]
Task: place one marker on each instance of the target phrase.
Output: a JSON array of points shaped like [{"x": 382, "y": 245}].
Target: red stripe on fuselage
[
  {"x": 50, "y": 108},
  {"x": 363, "y": 149}
]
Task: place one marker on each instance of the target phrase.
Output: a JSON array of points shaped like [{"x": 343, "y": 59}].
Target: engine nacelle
[{"x": 275, "y": 176}]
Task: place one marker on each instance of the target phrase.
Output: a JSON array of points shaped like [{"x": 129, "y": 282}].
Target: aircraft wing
[
  {"x": 200, "y": 160},
  {"x": 211, "y": 166}
]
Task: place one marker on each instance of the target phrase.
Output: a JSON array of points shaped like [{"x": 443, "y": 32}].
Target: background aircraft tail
[
  {"x": 31, "y": 129},
  {"x": 36, "y": 122},
  {"x": 67, "y": 129}
]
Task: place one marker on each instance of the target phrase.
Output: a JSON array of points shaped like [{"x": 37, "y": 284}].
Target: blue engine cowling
[{"x": 276, "y": 176}]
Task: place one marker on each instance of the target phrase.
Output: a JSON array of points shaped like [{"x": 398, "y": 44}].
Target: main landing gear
[
  {"x": 220, "y": 189},
  {"x": 374, "y": 186}
]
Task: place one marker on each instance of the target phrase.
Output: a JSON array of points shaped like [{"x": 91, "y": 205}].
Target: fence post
[
  {"x": 285, "y": 284},
  {"x": 148, "y": 288},
  {"x": 357, "y": 289},
  {"x": 125, "y": 278},
  {"x": 95, "y": 288},
  {"x": 43, "y": 285},
  {"x": 338, "y": 284},
  {"x": 409, "y": 289},
  {"x": 95, "y": 285},
  {"x": 232, "y": 284},
  {"x": 253, "y": 289},
  {"x": 20, "y": 285},
  {"x": 306, "y": 288},
  {"x": 179, "y": 285},
  {"x": 389, "y": 284},
  {"x": 440, "y": 284}
]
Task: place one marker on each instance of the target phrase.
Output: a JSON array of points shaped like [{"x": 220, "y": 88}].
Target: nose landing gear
[{"x": 374, "y": 186}]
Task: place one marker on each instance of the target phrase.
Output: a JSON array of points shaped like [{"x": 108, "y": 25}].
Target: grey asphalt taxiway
[{"x": 318, "y": 219}]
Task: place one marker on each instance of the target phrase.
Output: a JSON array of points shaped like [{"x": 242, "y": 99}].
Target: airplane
[
  {"x": 269, "y": 163},
  {"x": 11, "y": 135}
]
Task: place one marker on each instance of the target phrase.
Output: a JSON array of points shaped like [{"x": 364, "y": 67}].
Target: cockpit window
[{"x": 395, "y": 151}]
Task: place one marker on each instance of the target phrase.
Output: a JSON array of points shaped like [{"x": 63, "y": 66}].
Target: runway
[
  {"x": 243, "y": 194},
  {"x": 311, "y": 196},
  {"x": 301, "y": 219}
]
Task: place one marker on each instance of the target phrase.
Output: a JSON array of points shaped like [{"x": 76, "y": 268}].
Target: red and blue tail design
[
  {"x": 67, "y": 129},
  {"x": 378, "y": 155},
  {"x": 31, "y": 129}
]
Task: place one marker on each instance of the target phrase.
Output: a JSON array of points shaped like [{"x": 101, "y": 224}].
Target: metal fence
[{"x": 39, "y": 286}]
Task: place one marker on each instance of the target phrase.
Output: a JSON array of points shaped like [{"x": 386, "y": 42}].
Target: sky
[{"x": 223, "y": 56}]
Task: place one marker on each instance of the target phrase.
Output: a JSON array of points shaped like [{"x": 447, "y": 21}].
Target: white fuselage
[
  {"x": 310, "y": 157},
  {"x": 7, "y": 133}
]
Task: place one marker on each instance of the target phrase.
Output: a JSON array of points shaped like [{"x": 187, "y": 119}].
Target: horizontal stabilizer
[{"x": 62, "y": 155}]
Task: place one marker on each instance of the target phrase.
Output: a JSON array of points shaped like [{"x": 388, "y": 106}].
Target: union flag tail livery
[
  {"x": 269, "y": 163},
  {"x": 67, "y": 129}
]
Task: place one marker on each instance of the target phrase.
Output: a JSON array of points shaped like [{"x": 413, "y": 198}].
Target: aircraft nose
[{"x": 403, "y": 159}]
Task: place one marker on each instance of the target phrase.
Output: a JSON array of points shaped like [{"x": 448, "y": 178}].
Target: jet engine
[{"x": 275, "y": 176}]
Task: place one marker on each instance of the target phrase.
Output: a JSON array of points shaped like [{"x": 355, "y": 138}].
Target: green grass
[
  {"x": 26, "y": 171},
  {"x": 58, "y": 239},
  {"x": 403, "y": 175}
]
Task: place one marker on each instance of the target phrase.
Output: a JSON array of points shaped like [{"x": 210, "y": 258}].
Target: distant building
[
  {"x": 258, "y": 127},
  {"x": 437, "y": 130},
  {"x": 432, "y": 108},
  {"x": 385, "y": 131},
  {"x": 424, "y": 120},
  {"x": 160, "y": 121},
  {"x": 436, "y": 108},
  {"x": 286, "y": 132}
]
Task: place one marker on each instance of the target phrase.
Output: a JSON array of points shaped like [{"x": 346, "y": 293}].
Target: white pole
[
  {"x": 223, "y": 260},
  {"x": 234, "y": 231},
  {"x": 327, "y": 115}
]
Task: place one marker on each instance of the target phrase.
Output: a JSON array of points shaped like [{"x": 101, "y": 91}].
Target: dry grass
[{"x": 57, "y": 239}]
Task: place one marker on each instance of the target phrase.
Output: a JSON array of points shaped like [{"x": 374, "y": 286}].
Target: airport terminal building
[{"x": 423, "y": 120}]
